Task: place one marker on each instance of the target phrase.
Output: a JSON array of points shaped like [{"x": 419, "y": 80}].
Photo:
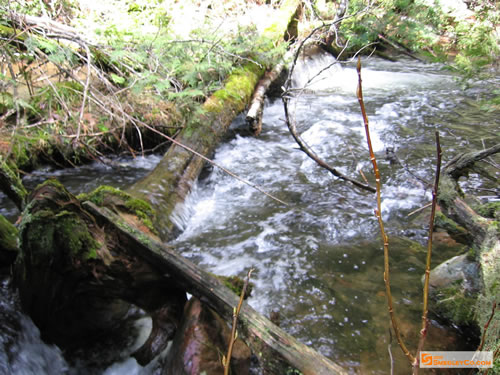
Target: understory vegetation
[
  {"x": 70, "y": 94},
  {"x": 79, "y": 80}
]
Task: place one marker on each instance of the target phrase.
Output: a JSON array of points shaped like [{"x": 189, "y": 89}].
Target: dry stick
[
  {"x": 85, "y": 92},
  {"x": 486, "y": 326},
  {"x": 419, "y": 209},
  {"x": 378, "y": 214},
  {"x": 425, "y": 322},
  {"x": 390, "y": 352},
  {"x": 309, "y": 152},
  {"x": 236, "y": 312}
]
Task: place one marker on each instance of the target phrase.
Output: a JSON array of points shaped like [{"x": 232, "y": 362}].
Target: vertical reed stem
[
  {"x": 378, "y": 214},
  {"x": 423, "y": 331},
  {"x": 227, "y": 359}
]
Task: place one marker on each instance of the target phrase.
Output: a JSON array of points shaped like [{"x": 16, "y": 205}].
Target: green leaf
[{"x": 117, "y": 79}]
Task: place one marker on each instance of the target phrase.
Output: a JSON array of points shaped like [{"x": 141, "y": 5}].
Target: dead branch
[
  {"x": 378, "y": 214},
  {"x": 425, "y": 322}
]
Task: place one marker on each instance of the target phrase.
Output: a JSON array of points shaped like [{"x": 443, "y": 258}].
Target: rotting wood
[
  {"x": 168, "y": 184},
  {"x": 269, "y": 343}
]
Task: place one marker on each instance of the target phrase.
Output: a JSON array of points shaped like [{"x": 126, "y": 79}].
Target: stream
[{"x": 319, "y": 260}]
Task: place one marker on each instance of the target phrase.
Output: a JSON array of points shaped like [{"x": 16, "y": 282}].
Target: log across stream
[{"x": 317, "y": 263}]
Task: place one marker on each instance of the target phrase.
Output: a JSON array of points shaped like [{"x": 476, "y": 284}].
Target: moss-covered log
[
  {"x": 277, "y": 351},
  {"x": 8, "y": 242},
  {"x": 80, "y": 266},
  {"x": 170, "y": 182},
  {"x": 10, "y": 184},
  {"x": 484, "y": 232},
  {"x": 78, "y": 276}
]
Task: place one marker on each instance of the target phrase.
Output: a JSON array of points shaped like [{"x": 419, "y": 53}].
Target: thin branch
[
  {"x": 486, "y": 326},
  {"x": 85, "y": 92},
  {"x": 425, "y": 322},
  {"x": 378, "y": 214},
  {"x": 309, "y": 152},
  {"x": 236, "y": 312}
]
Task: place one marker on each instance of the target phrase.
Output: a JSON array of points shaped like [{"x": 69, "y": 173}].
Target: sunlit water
[{"x": 318, "y": 261}]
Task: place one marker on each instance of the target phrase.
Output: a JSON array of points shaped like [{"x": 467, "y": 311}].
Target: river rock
[
  {"x": 453, "y": 288},
  {"x": 201, "y": 342}
]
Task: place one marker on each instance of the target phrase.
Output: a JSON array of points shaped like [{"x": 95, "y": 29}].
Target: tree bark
[{"x": 168, "y": 184}]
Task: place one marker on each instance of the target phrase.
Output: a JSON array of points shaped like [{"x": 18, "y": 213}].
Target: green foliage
[
  {"x": 425, "y": 27},
  {"x": 58, "y": 96}
]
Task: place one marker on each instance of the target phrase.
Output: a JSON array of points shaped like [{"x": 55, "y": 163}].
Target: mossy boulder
[{"x": 454, "y": 290}]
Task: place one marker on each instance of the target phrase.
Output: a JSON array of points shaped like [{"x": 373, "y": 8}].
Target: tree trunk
[{"x": 168, "y": 184}]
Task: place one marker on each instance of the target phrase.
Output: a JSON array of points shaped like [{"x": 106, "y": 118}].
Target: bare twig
[
  {"x": 234, "y": 334},
  {"x": 390, "y": 352},
  {"x": 85, "y": 92},
  {"x": 309, "y": 152},
  {"x": 425, "y": 322},
  {"x": 420, "y": 209},
  {"x": 378, "y": 214},
  {"x": 486, "y": 326}
]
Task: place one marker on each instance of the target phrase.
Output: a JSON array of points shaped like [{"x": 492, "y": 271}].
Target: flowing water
[{"x": 318, "y": 261}]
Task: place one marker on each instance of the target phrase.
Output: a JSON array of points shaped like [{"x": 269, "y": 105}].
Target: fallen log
[
  {"x": 278, "y": 350},
  {"x": 256, "y": 109},
  {"x": 464, "y": 287},
  {"x": 80, "y": 266},
  {"x": 169, "y": 183}
]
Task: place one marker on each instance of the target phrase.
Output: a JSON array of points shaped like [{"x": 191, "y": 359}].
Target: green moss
[
  {"x": 116, "y": 199},
  {"x": 454, "y": 304},
  {"x": 235, "y": 283},
  {"x": 490, "y": 210},
  {"x": 11, "y": 179},
  {"x": 73, "y": 231},
  {"x": 457, "y": 232},
  {"x": 237, "y": 90},
  {"x": 8, "y": 235},
  {"x": 447, "y": 191}
]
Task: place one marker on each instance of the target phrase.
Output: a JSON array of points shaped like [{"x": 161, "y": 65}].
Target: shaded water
[{"x": 319, "y": 260}]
